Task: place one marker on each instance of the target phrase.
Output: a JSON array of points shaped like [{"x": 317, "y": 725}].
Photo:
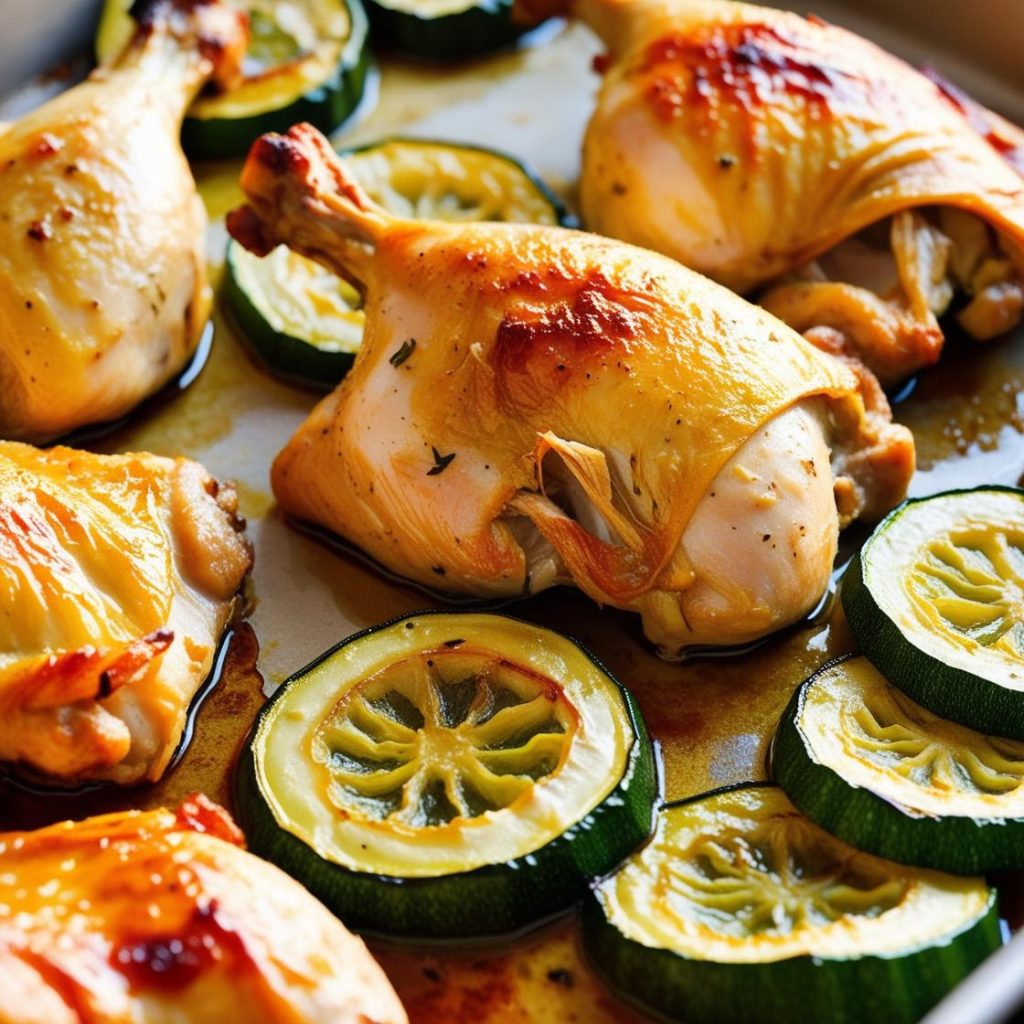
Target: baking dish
[{"x": 534, "y": 103}]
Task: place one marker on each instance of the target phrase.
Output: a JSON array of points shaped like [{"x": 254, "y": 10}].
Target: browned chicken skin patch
[
  {"x": 162, "y": 916},
  {"x": 738, "y": 66},
  {"x": 540, "y": 347}
]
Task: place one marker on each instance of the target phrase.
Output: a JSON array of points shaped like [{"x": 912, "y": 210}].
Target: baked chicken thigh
[
  {"x": 534, "y": 405},
  {"x": 118, "y": 575},
  {"x": 161, "y": 917},
  {"x": 103, "y": 289},
  {"x": 855, "y": 197}
]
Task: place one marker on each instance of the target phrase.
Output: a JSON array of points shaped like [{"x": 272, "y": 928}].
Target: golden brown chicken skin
[
  {"x": 533, "y": 405},
  {"x": 103, "y": 288},
  {"x": 161, "y": 917},
  {"x": 118, "y": 575},
  {"x": 792, "y": 160}
]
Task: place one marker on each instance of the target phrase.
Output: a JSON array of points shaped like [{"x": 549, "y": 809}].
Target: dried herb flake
[
  {"x": 441, "y": 462},
  {"x": 406, "y": 350}
]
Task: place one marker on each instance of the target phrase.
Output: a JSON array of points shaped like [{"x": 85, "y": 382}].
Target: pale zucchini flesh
[
  {"x": 304, "y": 322},
  {"x": 443, "y": 757},
  {"x": 294, "y": 45},
  {"x": 740, "y": 908},
  {"x": 949, "y": 571},
  {"x": 936, "y": 601},
  {"x": 378, "y": 728},
  {"x": 445, "y": 181},
  {"x": 870, "y": 765}
]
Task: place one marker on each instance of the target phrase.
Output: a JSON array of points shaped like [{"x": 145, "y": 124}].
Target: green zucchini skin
[
  {"x": 493, "y": 901},
  {"x": 958, "y": 845},
  {"x": 482, "y": 28},
  {"x": 950, "y": 692},
  {"x": 326, "y": 107},
  {"x": 287, "y": 357},
  {"x": 898, "y": 990}
]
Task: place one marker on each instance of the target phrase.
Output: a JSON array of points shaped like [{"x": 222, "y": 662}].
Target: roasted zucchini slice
[
  {"x": 936, "y": 600},
  {"x": 741, "y": 909},
  {"x": 436, "y": 180},
  {"x": 445, "y": 29},
  {"x": 305, "y": 323},
  {"x": 866, "y": 763},
  {"x": 448, "y": 775},
  {"x": 307, "y": 61}
]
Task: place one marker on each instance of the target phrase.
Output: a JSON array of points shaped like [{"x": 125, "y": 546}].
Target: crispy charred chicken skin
[{"x": 534, "y": 405}]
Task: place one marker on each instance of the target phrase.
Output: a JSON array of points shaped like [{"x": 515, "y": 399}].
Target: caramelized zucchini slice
[
  {"x": 936, "y": 601},
  {"x": 866, "y": 763},
  {"x": 307, "y": 61},
  {"x": 741, "y": 908},
  {"x": 306, "y": 324},
  {"x": 448, "y": 775}
]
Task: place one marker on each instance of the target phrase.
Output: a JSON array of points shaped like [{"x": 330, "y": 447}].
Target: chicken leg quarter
[
  {"x": 533, "y": 405},
  {"x": 103, "y": 289},
  {"x": 856, "y": 198}
]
